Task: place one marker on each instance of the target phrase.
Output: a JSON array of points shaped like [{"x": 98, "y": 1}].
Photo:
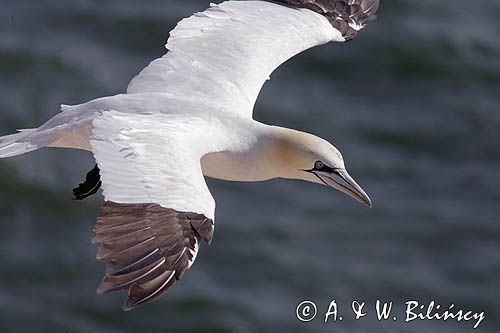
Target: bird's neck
[{"x": 256, "y": 155}]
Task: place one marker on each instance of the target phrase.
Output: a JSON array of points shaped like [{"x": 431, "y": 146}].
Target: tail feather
[
  {"x": 70, "y": 128},
  {"x": 23, "y": 142},
  {"x": 4, "y": 140}
]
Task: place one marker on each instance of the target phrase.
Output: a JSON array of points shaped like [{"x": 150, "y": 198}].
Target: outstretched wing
[
  {"x": 158, "y": 206},
  {"x": 226, "y": 53}
]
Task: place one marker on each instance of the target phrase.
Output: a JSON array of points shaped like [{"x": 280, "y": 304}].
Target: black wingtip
[
  {"x": 90, "y": 186},
  {"x": 341, "y": 13}
]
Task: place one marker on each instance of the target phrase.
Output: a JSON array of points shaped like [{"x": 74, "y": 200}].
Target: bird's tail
[
  {"x": 25, "y": 141},
  {"x": 68, "y": 129}
]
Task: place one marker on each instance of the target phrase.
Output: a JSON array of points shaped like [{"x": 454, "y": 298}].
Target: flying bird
[{"x": 188, "y": 115}]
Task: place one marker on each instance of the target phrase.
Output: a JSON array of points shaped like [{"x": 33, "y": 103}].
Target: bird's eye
[{"x": 319, "y": 165}]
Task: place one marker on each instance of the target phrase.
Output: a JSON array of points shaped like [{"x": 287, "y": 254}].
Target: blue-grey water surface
[{"x": 414, "y": 105}]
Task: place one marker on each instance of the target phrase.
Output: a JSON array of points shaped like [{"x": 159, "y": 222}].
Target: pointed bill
[{"x": 342, "y": 181}]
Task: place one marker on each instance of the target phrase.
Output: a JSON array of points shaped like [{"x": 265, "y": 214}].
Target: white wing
[
  {"x": 152, "y": 159},
  {"x": 226, "y": 53},
  {"x": 157, "y": 207}
]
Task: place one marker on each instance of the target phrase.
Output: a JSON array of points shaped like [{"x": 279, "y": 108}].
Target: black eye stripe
[
  {"x": 320, "y": 166},
  {"x": 323, "y": 168}
]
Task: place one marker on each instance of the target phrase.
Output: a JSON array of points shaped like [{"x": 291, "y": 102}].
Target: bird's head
[{"x": 300, "y": 155}]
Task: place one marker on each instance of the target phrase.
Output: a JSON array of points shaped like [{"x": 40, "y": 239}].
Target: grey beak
[{"x": 342, "y": 181}]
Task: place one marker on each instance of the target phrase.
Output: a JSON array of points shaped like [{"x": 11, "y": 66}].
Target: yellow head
[{"x": 299, "y": 155}]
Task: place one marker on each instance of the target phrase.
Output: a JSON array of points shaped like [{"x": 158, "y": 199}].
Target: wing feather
[
  {"x": 348, "y": 16},
  {"x": 226, "y": 53},
  {"x": 157, "y": 207},
  {"x": 147, "y": 265},
  {"x": 153, "y": 158}
]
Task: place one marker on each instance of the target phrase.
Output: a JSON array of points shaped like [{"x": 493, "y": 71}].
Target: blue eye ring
[{"x": 319, "y": 165}]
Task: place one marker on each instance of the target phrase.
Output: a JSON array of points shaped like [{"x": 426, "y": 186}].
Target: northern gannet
[{"x": 188, "y": 115}]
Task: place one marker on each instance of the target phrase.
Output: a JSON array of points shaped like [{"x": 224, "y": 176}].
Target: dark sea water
[{"x": 414, "y": 105}]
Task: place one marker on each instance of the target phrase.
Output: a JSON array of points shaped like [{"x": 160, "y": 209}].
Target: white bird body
[
  {"x": 189, "y": 115},
  {"x": 229, "y": 139}
]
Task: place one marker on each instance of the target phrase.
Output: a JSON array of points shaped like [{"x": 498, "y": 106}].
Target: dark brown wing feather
[
  {"x": 147, "y": 248},
  {"x": 341, "y": 12}
]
